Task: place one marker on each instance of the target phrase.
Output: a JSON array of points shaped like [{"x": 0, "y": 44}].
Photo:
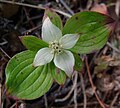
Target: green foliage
[
  {"x": 55, "y": 18},
  {"x": 25, "y": 81},
  {"x": 33, "y": 43},
  {"x": 78, "y": 63},
  {"x": 58, "y": 75},
  {"x": 93, "y": 29}
]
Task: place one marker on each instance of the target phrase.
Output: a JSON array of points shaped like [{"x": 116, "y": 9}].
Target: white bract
[{"x": 57, "y": 49}]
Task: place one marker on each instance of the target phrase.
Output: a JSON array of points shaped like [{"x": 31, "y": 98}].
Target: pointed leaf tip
[
  {"x": 94, "y": 28},
  {"x": 54, "y": 17},
  {"x": 33, "y": 43}
]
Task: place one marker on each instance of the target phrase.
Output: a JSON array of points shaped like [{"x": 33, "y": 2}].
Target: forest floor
[{"x": 97, "y": 86}]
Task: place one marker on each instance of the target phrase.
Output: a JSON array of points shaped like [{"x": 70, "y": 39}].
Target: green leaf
[
  {"x": 24, "y": 81},
  {"x": 94, "y": 29},
  {"x": 89, "y": 45},
  {"x": 33, "y": 43},
  {"x": 54, "y": 17},
  {"x": 58, "y": 75},
  {"x": 78, "y": 63}
]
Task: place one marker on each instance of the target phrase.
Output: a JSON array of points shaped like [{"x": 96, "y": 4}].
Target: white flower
[{"x": 57, "y": 49}]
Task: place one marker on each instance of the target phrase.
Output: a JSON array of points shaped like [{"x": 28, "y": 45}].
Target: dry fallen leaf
[
  {"x": 105, "y": 83},
  {"x": 102, "y": 8},
  {"x": 8, "y": 10},
  {"x": 116, "y": 78}
]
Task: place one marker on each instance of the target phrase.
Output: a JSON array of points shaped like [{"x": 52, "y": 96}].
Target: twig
[
  {"x": 16, "y": 106},
  {"x": 13, "y": 105},
  {"x": 46, "y": 103},
  {"x": 3, "y": 43},
  {"x": 110, "y": 4},
  {"x": 75, "y": 91},
  {"x": 22, "y": 105},
  {"x": 70, "y": 92},
  {"x": 1, "y": 96},
  {"x": 34, "y": 6},
  {"x": 111, "y": 46},
  {"x": 83, "y": 89},
  {"x": 32, "y": 29},
  {"x": 28, "y": 17},
  {"x": 88, "y": 104},
  {"x": 114, "y": 100},
  {"x": 5, "y": 53},
  {"x": 92, "y": 85},
  {"x": 67, "y": 7},
  {"x": 78, "y": 93},
  {"x": 117, "y": 8},
  {"x": 33, "y": 18}
]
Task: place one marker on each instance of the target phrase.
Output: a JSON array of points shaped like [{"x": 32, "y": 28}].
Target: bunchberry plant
[
  {"x": 57, "y": 48},
  {"x": 30, "y": 74}
]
